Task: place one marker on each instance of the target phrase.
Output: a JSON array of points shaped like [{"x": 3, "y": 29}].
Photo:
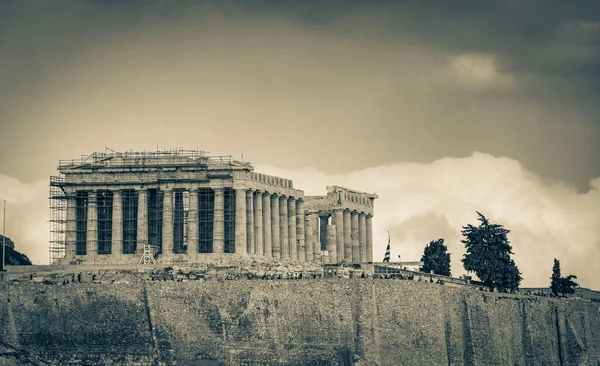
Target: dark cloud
[{"x": 321, "y": 75}]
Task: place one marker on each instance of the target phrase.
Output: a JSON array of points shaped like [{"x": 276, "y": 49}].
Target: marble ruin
[{"x": 187, "y": 207}]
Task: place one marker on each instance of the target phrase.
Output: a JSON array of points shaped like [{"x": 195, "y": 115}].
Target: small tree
[
  {"x": 555, "y": 284},
  {"x": 436, "y": 258},
  {"x": 488, "y": 255},
  {"x": 567, "y": 285},
  {"x": 564, "y": 285}
]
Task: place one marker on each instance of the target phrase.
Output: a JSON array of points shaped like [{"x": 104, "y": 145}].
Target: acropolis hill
[
  {"x": 180, "y": 258},
  {"x": 135, "y": 320}
]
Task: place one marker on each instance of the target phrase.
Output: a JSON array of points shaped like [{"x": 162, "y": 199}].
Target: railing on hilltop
[{"x": 394, "y": 269}]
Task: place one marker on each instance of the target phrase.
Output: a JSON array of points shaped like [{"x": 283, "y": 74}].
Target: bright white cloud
[
  {"x": 419, "y": 203},
  {"x": 27, "y": 216},
  {"x": 423, "y": 202}
]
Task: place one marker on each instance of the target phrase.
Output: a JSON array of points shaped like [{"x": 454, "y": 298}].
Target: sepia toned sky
[{"x": 441, "y": 107}]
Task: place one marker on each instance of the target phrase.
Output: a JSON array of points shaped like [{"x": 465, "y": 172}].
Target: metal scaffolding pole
[
  {"x": 3, "y": 239},
  {"x": 58, "y": 219}
]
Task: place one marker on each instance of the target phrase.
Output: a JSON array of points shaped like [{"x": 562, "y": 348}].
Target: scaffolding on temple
[
  {"x": 181, "y": 205},
  {"x": 58, "y": 219},
  {"x": 149, "y": 158},
  {"x": 91, "y": 216}
]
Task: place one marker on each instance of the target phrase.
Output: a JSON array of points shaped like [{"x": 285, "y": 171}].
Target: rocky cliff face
[{"x": 301, "y": 322}]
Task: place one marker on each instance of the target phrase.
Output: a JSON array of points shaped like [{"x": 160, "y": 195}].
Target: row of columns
[
  {"x": 274, "y": 225},
  {"x": 266, "y": 224},
  {"x": 142, "y": 222},
  {"x": 349, "y": 237}
]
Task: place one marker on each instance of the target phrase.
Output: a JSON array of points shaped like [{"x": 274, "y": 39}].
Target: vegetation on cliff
[
  {"x": 564, "y": 285},
  {"x": 436, "y": 258},
  {"x": 13, "y": 257},
  {"x": 489, "y": 255}
]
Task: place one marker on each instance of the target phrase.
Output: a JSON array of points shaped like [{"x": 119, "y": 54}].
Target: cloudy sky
[{"x": 440, "y": 107}]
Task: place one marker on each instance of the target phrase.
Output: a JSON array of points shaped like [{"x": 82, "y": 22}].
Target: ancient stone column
[
  {"x": 117, "y": 224},
  {"x": 142, "y": 220},
  {"x": 308, "y": 250},
  {"x": 193, "y": 225},
  {"x": 362, "y": 237},
  {"x": 250, "y": 222},
  {"x": 301, "y": 256},
  {"x": 314, "y": 220},
  {"x": 293, "y": 245},
  {"x": 331, "y": 243},
  {"x": 167, "y": 225},
  {"x": 369, "y": 231},
  {"x": 338, "y": 215},
  {"x": 71, "y": 229},
  {"x": 354, "y": 233},
  {"x": 268, "y": 249},
  {"x": 276, "y": 243},
  {"x": 240, "y": 222},
  {"x": 258, "y": 223},
  {"x": 347, "y": 236},
  {"x": 283, "y": 228},
  {"x": 92, "y": 225},
  {"x": 219, "y": 222}
]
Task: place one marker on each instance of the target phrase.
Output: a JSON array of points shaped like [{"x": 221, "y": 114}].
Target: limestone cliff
[{"x": 301, "y": 322}]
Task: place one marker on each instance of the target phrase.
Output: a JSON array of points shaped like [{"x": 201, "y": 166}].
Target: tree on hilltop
[
  {"x": 436, "y": 258},
  {"x": 555, "y": 283},
  {"x": 12, "y": 256},
  {"x": 489, "y": 255},
  {"x": 564, "y": 285},
  {"x": 567, "y": 285}
]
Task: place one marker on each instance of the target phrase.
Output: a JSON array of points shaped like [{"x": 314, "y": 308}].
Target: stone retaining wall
[{"x": 295, "y": 322}]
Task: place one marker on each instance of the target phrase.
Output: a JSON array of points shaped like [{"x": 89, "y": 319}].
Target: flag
[{"x": 386, "y": 258}]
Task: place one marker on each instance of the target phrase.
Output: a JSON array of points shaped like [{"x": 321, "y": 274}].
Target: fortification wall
[{"x": 302, "y": 322}]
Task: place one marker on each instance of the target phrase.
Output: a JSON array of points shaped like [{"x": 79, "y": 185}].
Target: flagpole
[{"x": 3, "y": 238}]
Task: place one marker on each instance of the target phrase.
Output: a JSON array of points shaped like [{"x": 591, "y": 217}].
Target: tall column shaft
[
  {"x": 354, "y": 233},
  {"x": 283, "y": 228},
  {"x": 71, "y": 229},
  {"x": 301, "y": 256},
  {"x": 362, "y": 236},
  {"x": 276, "y": 243},
  {"x": 292, "y": 229},
  {"x": 331, "y": 243},
  {"x": 92, "y": 225},
  {"x": 142, "y": 220},
  {"x": 317, "y": 256},
  {"x": 308, "y": 250},
  {"x": 192, "y": 224},
  {"x": 258, "y": 223},
  {"x": 369, "y": 230},
  {"x": 167, "y": 224},
  {"x": 117, "y": 223},
  {"x": 240, "y": 222},
  {"x": 219, "y": 222},
  {"x": 268, "y": 249},
  {"x": 339, "y": 234},
  {"x": 347, "y": 236},
  {"x": 250, "y": 222}
]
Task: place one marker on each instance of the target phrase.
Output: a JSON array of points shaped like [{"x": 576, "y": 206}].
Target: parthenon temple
[{"x": 186, "y": 206}]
